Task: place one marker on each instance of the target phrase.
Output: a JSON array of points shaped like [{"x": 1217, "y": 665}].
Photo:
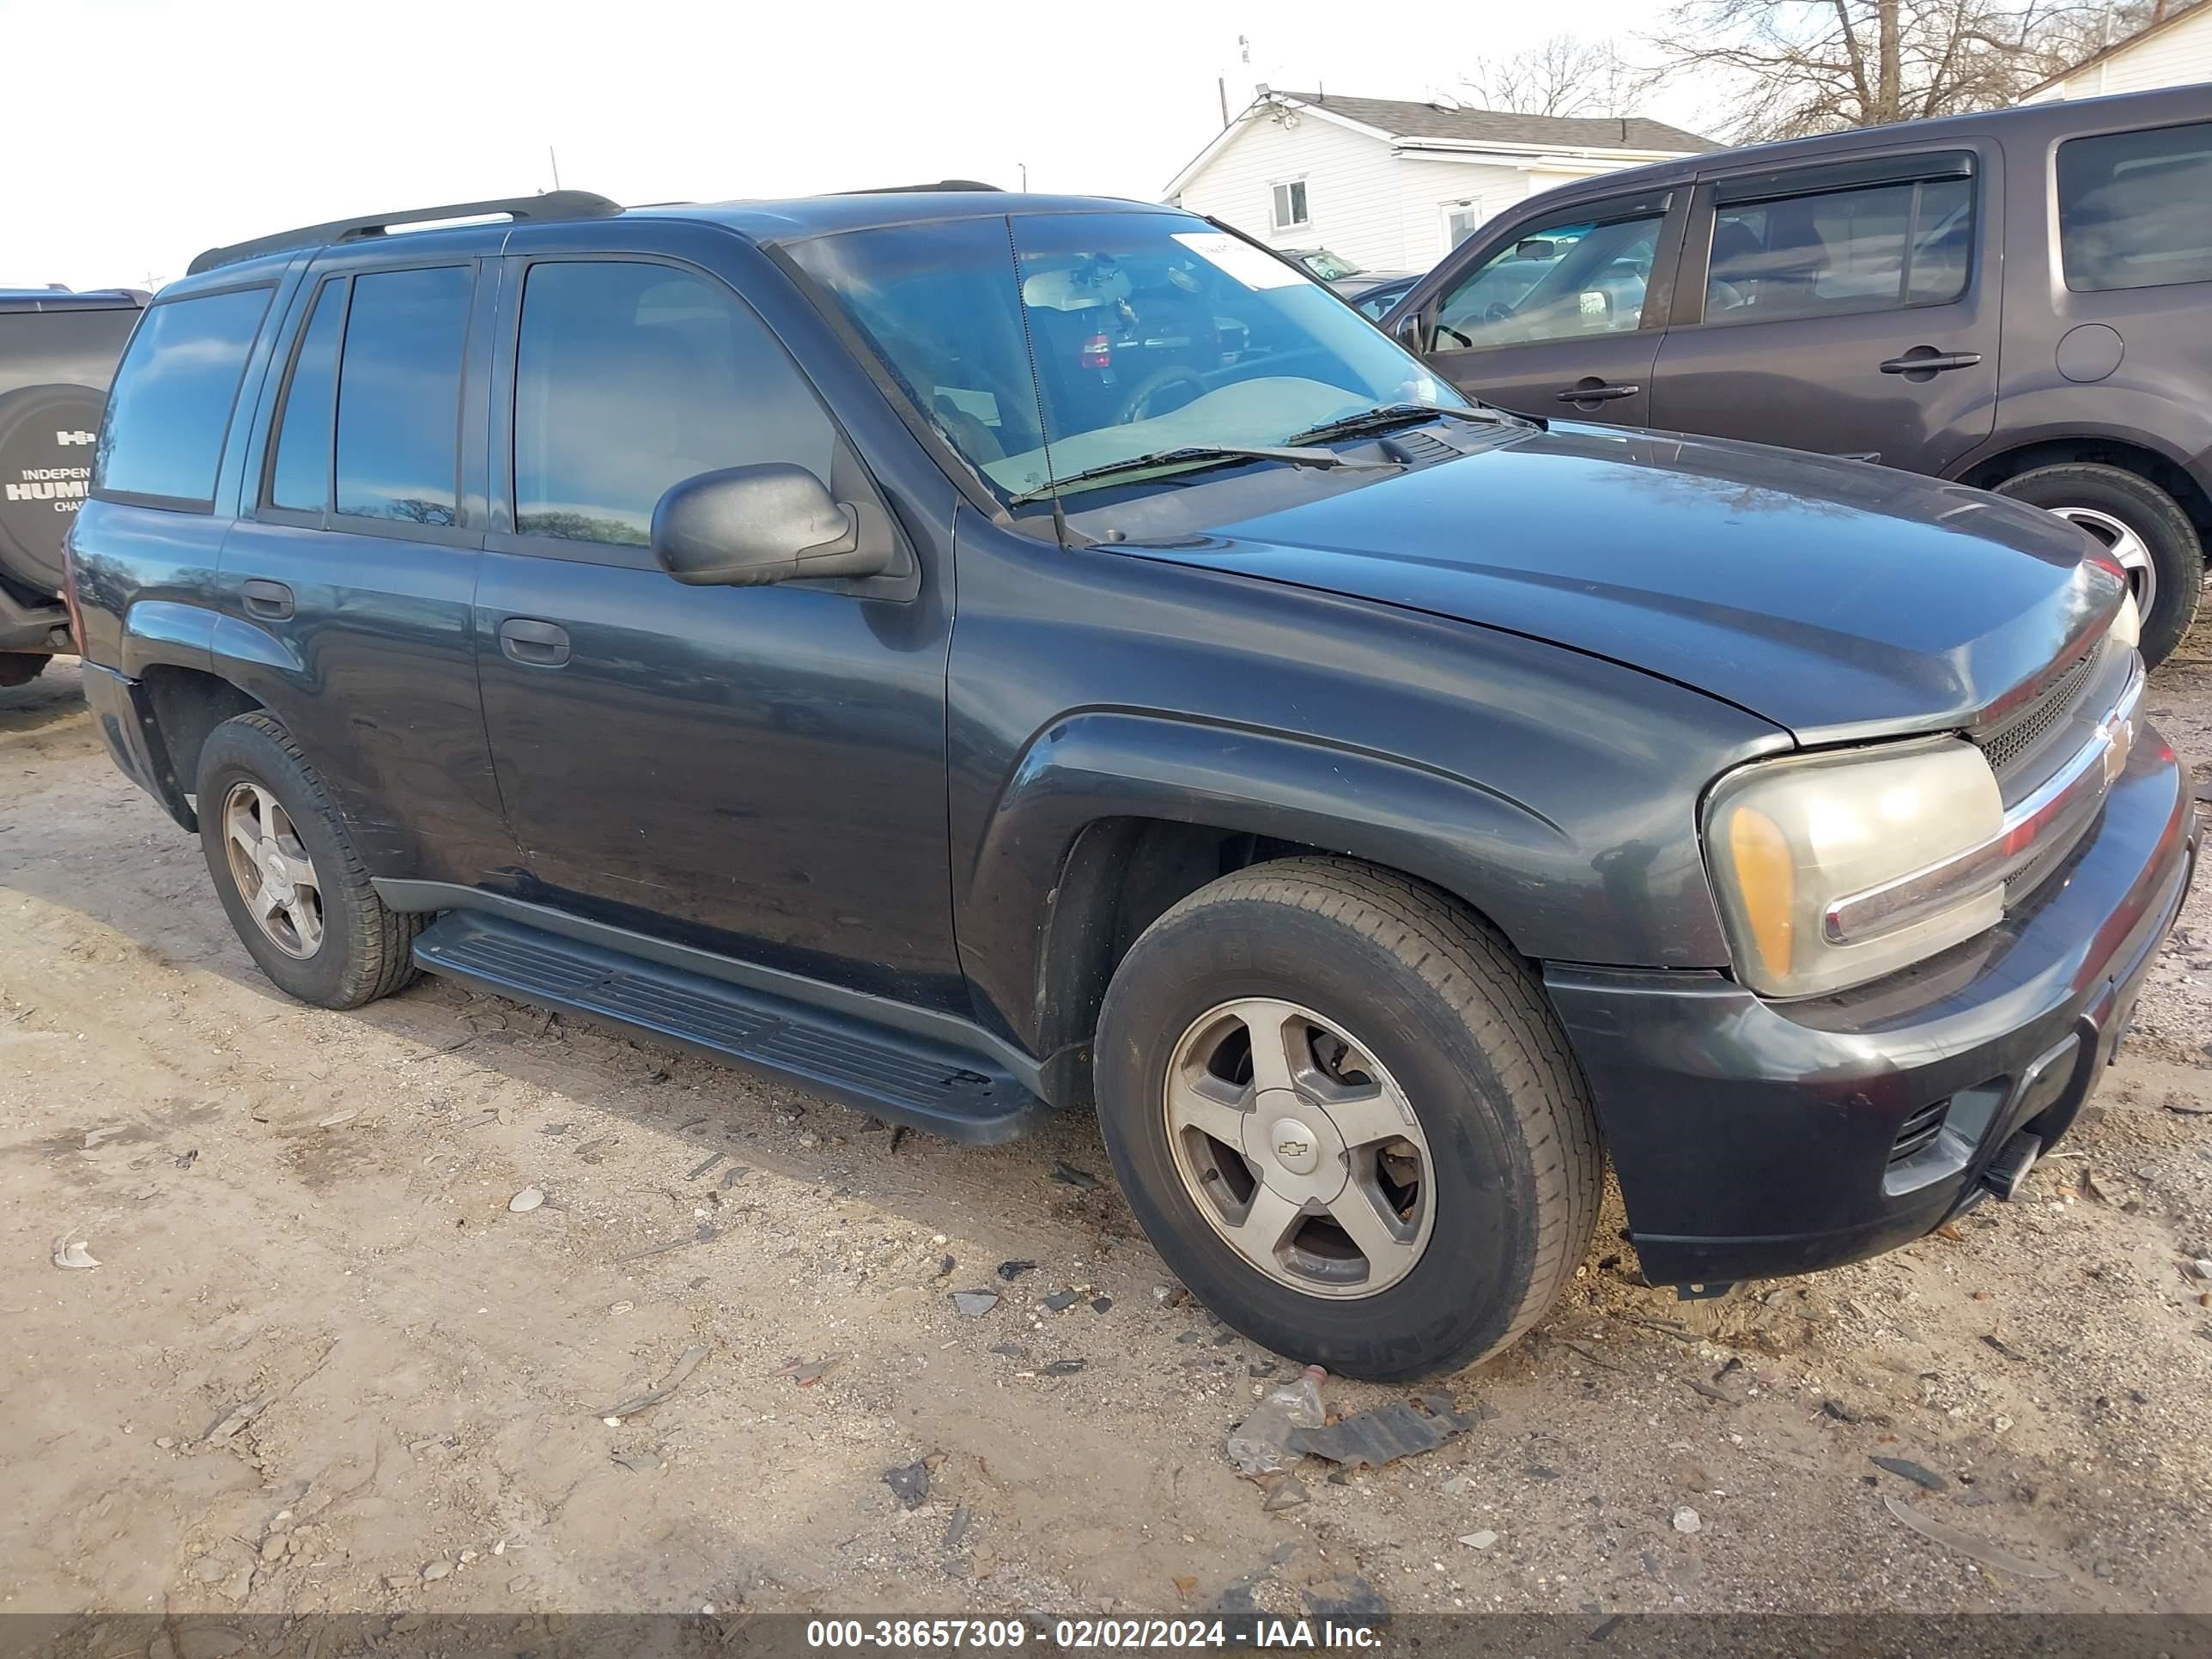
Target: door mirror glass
[{"x": 744, "y": 527}]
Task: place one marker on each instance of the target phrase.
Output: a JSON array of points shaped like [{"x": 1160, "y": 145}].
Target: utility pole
[{"x": 1221, "y": 86}]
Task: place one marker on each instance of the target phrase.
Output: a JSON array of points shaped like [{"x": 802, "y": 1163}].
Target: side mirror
[
  {"x": 1407, "y": 330},
  {"x": 744, "y": 526}
]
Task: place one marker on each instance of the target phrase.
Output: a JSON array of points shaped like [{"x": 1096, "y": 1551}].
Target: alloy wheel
[
  {"x": 1298, "y": 1148},
  {"x": 2125, "y": 545},
  {"x": 274, "y": 876}
]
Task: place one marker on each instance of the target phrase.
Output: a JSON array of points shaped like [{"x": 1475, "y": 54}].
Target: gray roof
[{"x": 1402, "y": 119}]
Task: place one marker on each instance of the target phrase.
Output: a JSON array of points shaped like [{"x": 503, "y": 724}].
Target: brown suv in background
[{"x": 2020, "y": 301}]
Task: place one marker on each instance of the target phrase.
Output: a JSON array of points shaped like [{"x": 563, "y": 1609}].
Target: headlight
[
  {"x": 2127, "y": 627},
  {"x": 1830, "y": 869}
]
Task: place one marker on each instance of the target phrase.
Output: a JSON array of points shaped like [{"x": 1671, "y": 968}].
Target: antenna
[{"x": 555, "y": 160}]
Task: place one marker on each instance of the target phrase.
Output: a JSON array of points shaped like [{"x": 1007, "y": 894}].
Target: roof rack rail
[
  {"x": 552, "y": 204},
  {"x": 937, "y": 184}
]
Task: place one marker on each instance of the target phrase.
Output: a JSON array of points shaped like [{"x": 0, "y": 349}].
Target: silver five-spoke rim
[
  {"x": 2125, "y": 545},
  {"x": 274, "y": 876},
  {"x": 1298, "y": 1148}
]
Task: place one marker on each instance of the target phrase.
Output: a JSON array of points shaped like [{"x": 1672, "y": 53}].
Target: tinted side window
[
  {"x": 301, "y": 477},
  {"x": 399, "y": 386},
  {"x": 631, "y": 377},
  {"x": 1552, "y": 283},
  {"x": 2135, "y": 209},
  {"x": 174, "y": 394},
  {"x": 1875, "y": 249}
]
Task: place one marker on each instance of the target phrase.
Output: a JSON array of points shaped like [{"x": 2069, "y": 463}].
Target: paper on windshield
[{"x": 1254, "y": 267}]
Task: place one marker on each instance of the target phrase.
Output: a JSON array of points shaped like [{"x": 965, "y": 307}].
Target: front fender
[{"x": 1552, "y": 894}]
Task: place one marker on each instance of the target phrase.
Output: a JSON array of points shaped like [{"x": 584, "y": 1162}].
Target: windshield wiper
[
  {"x": 1390, "y": 415},
  {"x": 1190, "y": 458}
]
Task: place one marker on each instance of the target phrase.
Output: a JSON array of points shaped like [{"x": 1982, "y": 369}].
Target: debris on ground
[
  {"x": 909, "y": 1483},
  {"x": 1998, "y": 1345},
  {"x": 955, "y": 1529},
  {"x": 1057, "y": 1301},
  {"x": 700, "y": 1168},
  {"x": 704, "y": 1234},
  {"x": 974, "y": 1304},
  {"x": 1919, "y": 1474},
  {"x": 74, "y": 1253},
  {"x": 1688, "y": 1520},
  {"x": 1061, "y": 1367},
  {"x": 1966, "y": 1543},
  {"x": 1011, "y": 1271},
  {"x": 1699, "y": 1385},
  {"x": 1068, "y": 1176},
  {"x": 639, "y": 1463},
  {"x": 1260, "y": 1444},
  {"x": 807, "y": 1373},
  {"x": 1101, "y": 1304},
  {"x": 1285, "y": 1492},
  {"x": 527, "y": 1201},
  {"x": 1382, "y": 1435},
  {"x": 329, "y": 1122},
  {"x": 237, "y": 1418},
  {"x": 685, "y": 1367},
  {"x": 1169, "y": 1295},
  {"x": 1478, "y": 1541}
]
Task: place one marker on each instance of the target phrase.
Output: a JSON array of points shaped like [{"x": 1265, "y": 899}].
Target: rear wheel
[
  {"x": 287, "y": 874},
  {"x": 2142, "y": 526},
  {"x": 1343, "y": 1113}
]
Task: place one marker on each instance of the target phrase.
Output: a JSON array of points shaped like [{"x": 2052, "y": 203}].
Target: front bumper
[{"x": 1754, "y": 1139}]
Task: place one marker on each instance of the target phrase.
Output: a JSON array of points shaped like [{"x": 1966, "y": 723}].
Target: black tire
[
  {"x": 364, "y": 949},
  {"x": 21, "y": 667},
  {"x": 1461, "y": 1023},
  {"x": 2177, "y": 553}
]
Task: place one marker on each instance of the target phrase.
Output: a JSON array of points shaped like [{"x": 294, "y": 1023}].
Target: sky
[{"x": 137, "y": 133}]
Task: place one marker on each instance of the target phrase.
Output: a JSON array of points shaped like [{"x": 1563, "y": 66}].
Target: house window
[
  {"x": 1291, "y": 204},
  {"x": 1461, "y": 220}
]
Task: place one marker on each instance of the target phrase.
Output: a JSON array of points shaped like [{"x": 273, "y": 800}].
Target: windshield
[
  {"x": 1329, "y": 267},
  {"x": 1151, "y": 332}
]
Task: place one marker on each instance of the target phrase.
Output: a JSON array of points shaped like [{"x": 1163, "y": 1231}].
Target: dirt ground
[{"x": 321, "y": 1366}]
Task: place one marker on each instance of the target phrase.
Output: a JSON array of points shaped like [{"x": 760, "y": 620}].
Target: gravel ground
[{"x": 323, "y": 1366}]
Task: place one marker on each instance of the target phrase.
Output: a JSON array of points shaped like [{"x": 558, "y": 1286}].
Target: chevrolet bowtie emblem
[{"x": 1294, "y": 1148}]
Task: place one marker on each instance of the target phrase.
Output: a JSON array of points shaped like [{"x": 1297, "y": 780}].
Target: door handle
[
  {"x": 534, "y": 644},
  {"x": 268, "y": 598},
  {"x": 1597, "y": 391},
  {"x": 1924, "y": 360}
]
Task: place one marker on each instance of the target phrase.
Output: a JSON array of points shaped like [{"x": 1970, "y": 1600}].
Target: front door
[
  {"x": 1847, "y": 309},
  {"x": 1559, "y": 316},
  {"x": 758, "y": 771}
]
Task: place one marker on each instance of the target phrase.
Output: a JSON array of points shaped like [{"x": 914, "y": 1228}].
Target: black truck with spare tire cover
[{"x": 57, "y": 354}]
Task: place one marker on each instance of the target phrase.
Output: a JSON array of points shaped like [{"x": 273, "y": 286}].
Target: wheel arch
[
  {"x": 186, "y": 705},
  {"x": 1113, "y": 817},
  {"x": 2152, "y": 466}
]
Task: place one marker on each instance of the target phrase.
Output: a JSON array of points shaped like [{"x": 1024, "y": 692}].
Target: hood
[{"x": 1836, "y": 599}]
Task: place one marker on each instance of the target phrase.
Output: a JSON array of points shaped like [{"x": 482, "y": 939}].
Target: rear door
[
  {"x": 346, "y": 583},
  {"x": 1560, "y": 313},
  {"x": 1849, "y": 307}
]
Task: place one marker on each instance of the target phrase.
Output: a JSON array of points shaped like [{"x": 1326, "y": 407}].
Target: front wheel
[
  {"x": 2143, "y": 529},
  {"x": 1346, "y": 1117}
]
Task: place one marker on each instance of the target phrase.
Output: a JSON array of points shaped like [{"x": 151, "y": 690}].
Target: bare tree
[
  {"x": 1791, "y": 67},
  {"x": 1563, "y": 75}
]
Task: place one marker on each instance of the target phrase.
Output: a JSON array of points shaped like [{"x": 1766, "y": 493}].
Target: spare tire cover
[{"x": 47, "y": 434}]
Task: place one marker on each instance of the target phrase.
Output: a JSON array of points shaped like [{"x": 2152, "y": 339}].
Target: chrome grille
[{"x": 2005, "y": 744}]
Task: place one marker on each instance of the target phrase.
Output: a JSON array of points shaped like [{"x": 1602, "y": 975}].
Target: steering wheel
[
  {"x": 1497, "y": 312},
  {"x": 1137, "y": 405}
]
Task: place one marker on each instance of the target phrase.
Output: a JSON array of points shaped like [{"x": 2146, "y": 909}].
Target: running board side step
[{"x": 904, "y": 1078}]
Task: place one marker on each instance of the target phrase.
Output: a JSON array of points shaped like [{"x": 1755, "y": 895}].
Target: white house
[
  {"x": 1394, "y": 185},
  {"x": 2172, "y": 51}
]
